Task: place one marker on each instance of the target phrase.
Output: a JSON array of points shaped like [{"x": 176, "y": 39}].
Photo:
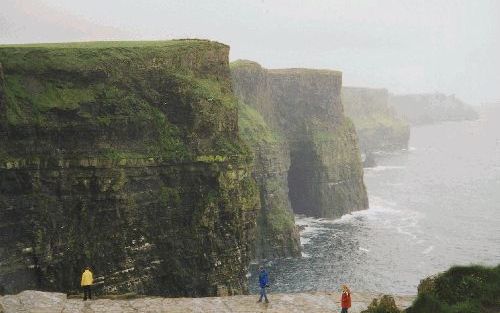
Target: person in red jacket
[{"x": 346, "y": 299}]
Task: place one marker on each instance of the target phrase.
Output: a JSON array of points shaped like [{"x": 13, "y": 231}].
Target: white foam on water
[
  {"x": 303, "y": 220},
  {"x": 402, "y": 221},
  {"x": 384, "y": 168},
  {"x": 379, "y": 208},
  {"x": 377, "y": 202},
  {"x": 310, "y": 228},
  {"x": 304, "y": 240},
  {"x": 428, "y": 250},
  {"x": 364, "y": 249},
  {"x": 402, "y": 231}
]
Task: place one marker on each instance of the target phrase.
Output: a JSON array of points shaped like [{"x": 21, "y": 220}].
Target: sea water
[{"x": 434, "y": 205}]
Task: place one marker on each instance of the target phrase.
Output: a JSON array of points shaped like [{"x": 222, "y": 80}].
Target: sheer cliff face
[
  {"x": 124, "y": 157},
  {"x": 377, "y": 124},
  {"x": 277, "y": 234},
  {"x": 419, "y": 109},
  {"x": 325, "y": 178},
  {"x": 303, "y": 107}
]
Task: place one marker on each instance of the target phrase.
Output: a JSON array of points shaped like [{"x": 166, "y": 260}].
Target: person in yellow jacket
[{"x": 87, "y": 281}]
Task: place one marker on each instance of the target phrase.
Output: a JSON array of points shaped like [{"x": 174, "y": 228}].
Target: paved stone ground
[{"x": 47, "y": 302}]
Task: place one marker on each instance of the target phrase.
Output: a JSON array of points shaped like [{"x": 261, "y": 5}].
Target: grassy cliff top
[
  {"x": 369, "y": 108},
  {"x": 247, "y": 64},
  {"x": 304, "y": 71},
  {"x": 181, "y": 88},
  {"x": 103, "y": 57},
  {"x": 244, "y": 64},
  {"x": 365, "y": 89},
  {"x": 114, "y": 44}
]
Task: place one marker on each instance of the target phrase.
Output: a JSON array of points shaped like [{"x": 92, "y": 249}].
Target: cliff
[
  {"x": 123, "y": 156},
  {"x": 311, "y": 152},
  {"x": 377, "y": 124},
  {"x": 277, "y": 235},
  {"x": 420, "y": 109}
]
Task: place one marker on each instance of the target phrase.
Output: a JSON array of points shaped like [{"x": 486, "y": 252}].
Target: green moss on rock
[
  {"x": 385, "y": 304},
  {"x": 377, "y": 124},
  {"x": 124, "y": 156},
  {"x": 277, "y": 234},
  {"x": 293, "y": 119}
]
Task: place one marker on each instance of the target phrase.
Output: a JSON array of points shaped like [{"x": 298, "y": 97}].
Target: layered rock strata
[
  {"x": 376, "y": 121},
  {"x": 303, "y": 108},
  {"x": 123, "y": 156},
  {"x": 277, "y": 234}
]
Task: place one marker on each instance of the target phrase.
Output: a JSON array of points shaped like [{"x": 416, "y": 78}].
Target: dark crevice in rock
[
  {"x": 306, "y": 151},
  {"x": 303, "y": 178}
]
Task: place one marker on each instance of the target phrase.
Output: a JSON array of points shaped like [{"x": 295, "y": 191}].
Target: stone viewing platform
[{"x": 48, "y": 302}]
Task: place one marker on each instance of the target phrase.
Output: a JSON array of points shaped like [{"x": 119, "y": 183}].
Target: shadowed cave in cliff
[{"x": 301, "y": 175}]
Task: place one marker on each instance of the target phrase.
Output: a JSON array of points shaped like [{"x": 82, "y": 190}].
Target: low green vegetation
[
  {"x": 179, "y": 91},
  {"x": 94, "y": 57},
  {"x": 461, "y": 289},
  {"x": 377, "y": 124},
  {"x": 143, "y": 135},
  {"x": 253, "y": 128},
  {"x": 378, "y": 120},
  {"x": 385, "y": 304},
  {"x": 240, "y": 64},
  {"x": 276, "y": 228}
]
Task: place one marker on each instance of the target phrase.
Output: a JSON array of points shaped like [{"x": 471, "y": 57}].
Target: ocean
[{"x": 434, "y": 205}]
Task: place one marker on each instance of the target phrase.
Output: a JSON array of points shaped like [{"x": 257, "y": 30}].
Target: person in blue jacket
[{"x": 263, "y": 283}]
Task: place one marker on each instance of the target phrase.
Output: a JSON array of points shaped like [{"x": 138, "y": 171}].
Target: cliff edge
[
  {"x": 306, "y": 150},
  {"x": 376, "y": 121},
  {"x": 123, "y": 156},
  {"x": 420, "y": 109}
]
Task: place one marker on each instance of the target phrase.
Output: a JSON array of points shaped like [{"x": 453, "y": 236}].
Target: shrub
[{"x": 385, "y": 305}]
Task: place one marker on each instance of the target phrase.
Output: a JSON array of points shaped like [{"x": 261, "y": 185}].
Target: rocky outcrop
[
  {"x": 419, "y": 109},
  {"x": 473, "y": 288},
  {"x": 277, "y": 234},
  {"x": 303, "y": 108},
  {"x": 377, "y": 124},
  {"x": 321, "y": 302},
  {"x": 125, "y": 157}
]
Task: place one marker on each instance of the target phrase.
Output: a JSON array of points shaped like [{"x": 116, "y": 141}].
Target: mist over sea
[{"x": 433, "y": 206}]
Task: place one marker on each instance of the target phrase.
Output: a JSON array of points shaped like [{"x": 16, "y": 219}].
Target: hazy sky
[{"x": 407, "y": 46}]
